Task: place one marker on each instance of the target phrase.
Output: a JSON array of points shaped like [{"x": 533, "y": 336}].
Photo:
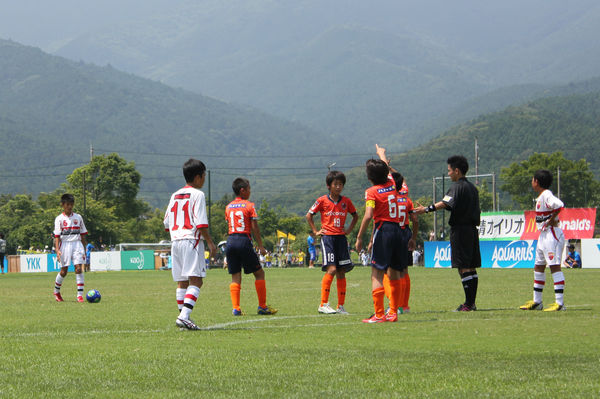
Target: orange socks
[
  {"x": 234, "y": 290},
  {"x": 396, "y": 294},
  {"x": 387, "y": 287},
  {"x": 261, "y": 292},
  {"x": 378, "y": 295},
  {"x": 341, "y": 291},
  {"x": 325, "y": 288},
  {"x": 405, "y": 290}
]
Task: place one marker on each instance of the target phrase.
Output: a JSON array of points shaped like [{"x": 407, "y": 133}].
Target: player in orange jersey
[
  {"x": 241, "y": 218},
  {"x": 405, "y": 216},
  {"x": 387, "y": 256},
  {"x": 336, "y": 258}
]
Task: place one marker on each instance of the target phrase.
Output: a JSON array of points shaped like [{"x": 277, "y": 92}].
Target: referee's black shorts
[{"x": 464, "y": 244}]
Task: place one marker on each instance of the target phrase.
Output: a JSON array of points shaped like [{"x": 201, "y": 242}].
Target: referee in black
[{"x": 462, "y": 200}]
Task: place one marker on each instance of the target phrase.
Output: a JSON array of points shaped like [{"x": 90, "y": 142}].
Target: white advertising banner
[
  {"x": 590, "y": 253},
  {"x": 501, "y": 226},
  {"x": 105, "y": 261},
  {"x": 34, "y": 263}
]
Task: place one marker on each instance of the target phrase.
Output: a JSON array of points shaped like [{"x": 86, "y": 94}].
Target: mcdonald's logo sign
[{"x": 530, "y": 232}]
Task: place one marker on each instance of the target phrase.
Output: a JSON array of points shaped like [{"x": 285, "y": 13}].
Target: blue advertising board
[
  {"x": 54, "y": 266},
  {"x": 518, "y": 254}
]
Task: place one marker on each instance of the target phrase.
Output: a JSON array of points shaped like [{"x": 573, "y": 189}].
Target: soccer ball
[{"x": 93, "y": 296}]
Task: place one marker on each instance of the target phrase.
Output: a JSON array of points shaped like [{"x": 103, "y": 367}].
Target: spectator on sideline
[
  {"x": 573, "y": 260},
  {"x": 2, "y": 252}
]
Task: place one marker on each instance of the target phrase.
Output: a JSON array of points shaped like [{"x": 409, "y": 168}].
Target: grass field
[{"x": 128, "y": 346}]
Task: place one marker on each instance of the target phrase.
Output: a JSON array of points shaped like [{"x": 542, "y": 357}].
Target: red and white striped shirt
[
  {"x": 69, "y": 228},
  {"x": 186, "y": 214}
]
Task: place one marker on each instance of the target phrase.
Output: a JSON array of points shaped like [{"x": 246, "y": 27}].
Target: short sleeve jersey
[
  {"x": 462, "y": 199},
  {"x": 186, "y": 214},
  {"x": 311, "y": 243},
  {"x": 405, "y": 205},
  {"x": 239, "y": 214},
  {"x": 383, "y": 199},
  {"x": 545, "y": 205},
  {"x": 69, "y": 228},
  {"x": 333, "y": 214}
]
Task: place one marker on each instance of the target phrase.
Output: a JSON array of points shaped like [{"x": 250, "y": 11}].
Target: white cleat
[
  {"x": 326, "y": 309},
  {"x": 187, "y": 324},
  {"x": 341, "y": 310}
]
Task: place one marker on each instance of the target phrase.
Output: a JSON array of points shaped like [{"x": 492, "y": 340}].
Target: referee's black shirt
[{"x": 462, "y": 199}]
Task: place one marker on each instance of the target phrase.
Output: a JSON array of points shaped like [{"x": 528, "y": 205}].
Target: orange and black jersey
[
  {"x": 405, "y": 205},
  {"x": 239, "y": 215},
  {"x": 383, "y": 199},
  {"x": 333, "y": 214}
]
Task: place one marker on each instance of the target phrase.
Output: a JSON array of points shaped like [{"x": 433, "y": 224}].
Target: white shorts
[
  {"x": 550, "y": 247},
  {"x": 71, "y": 252},
  {"x": 187, "y": 260}
]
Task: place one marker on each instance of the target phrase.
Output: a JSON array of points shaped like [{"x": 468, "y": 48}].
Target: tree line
[{"x": 106, "y": 195}]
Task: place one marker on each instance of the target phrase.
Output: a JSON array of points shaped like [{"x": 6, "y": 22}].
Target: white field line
[{"x": 237, "y": 324}]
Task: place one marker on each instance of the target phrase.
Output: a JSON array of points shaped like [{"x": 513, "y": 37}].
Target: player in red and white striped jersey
[
  {"x": 187, "y": 223},
  {"x": 550, "y": 244},
  {"x": 69, "y": 241}
]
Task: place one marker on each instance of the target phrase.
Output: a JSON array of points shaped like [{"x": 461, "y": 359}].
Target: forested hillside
[
  {"x": 347, "y": 67},
  {"x": 570, "y": 124},
  {"x": 52, "y": 110}
]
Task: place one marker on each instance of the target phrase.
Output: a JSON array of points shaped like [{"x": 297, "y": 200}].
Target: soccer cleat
[
  {"x": 58, "y": 297},
  {"x": 237, "y": 312},
  {"x": 326, "y": 309},
  {"x": 404, "y": 310},
  {"x": 187, "y": 324},
  {"x": 531, "y": 305},
  {"x": 341, "y": 310},
  {"x": 374, "y": 319},
  {"x": 79, "y": 299},
  {"x": 555, "y": 307},
  {"x": 465, "y": 308},
  {"x": 266, "y": 310},
  {"x": 391, "y": 317}
]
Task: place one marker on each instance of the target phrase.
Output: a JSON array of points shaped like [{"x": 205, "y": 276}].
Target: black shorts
[
  {"x": 388, "y": 250},
  {"x": 406, "y": 235},
  {"x": 464, "y": 244},
  {"x": 240, "y": 254},
  {"x": 335, "y": 252}
]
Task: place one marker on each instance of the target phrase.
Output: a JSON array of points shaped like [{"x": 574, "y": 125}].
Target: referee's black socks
[{"x": 469, "y": 282}]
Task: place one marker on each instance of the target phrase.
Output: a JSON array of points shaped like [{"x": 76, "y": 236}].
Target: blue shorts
[
  {"x": 335, "y": 252},
  {"x": 240, "y": 254},
  {"x": 388, "y": 250},
  {"x": 312, "y": 254}
]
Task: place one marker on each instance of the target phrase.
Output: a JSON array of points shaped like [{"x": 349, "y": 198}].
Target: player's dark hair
[
  {"x": 191, "y": 168},
  {"x": 398, "y": 180},
  {"x": 335, "y": 175},
  {"x": 377, "y": 171},
  {"x": 2, "y": 235},
  {"x": 67, "y": 199},
  {"x": 459, "y": 162},
  {"x": 238, "y": 184},
  {"x": 543, "y": 177}
]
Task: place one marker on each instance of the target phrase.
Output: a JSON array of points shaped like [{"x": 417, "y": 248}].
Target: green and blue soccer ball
[{"x": 93, "y": 296}]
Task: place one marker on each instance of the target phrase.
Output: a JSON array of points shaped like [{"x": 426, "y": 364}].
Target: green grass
[{"x": 128, "y": 346}]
